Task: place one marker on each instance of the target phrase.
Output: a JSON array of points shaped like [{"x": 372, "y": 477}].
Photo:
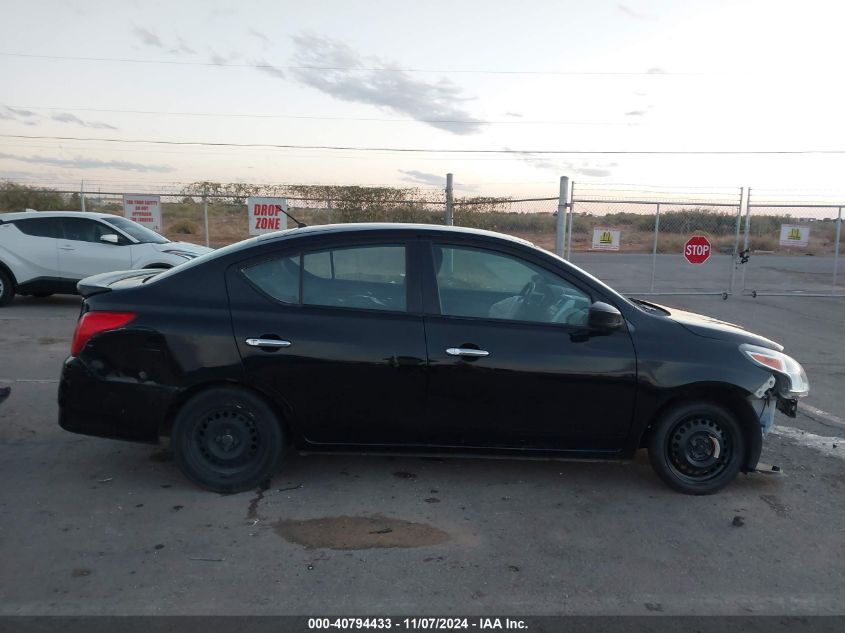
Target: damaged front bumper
[{"x": 776, "y": 393}]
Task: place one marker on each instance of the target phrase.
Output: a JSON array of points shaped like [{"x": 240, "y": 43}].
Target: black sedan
[{"x": 410, "y": 338}]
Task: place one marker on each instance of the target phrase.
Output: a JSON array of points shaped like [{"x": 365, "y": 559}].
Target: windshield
[{"x": 135, "y": 230}]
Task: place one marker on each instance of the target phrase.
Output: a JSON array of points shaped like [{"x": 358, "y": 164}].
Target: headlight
[
  {"x": 792, "y": 379},
  {"x": 181, "y": 254}
]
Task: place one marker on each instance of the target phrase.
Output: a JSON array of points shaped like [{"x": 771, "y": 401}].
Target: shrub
[{"x": 184, "y": 227}]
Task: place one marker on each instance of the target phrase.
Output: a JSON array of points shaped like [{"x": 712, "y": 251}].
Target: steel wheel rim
[
  {"x": 227, "y": 439},
  {"x": 699, "y": 448}
]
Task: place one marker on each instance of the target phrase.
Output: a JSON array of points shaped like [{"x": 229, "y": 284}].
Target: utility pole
[
  {"x": 450, "y": 211},
  {"x": 562, "y": 208}
]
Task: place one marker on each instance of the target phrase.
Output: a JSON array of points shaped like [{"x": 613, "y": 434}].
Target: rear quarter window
[
  {"x": 278, "y": 277},
  {"x": 39, "y": 227}
]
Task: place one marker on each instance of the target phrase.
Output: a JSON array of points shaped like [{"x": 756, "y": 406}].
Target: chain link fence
[
  {"x": 792, "y": 245},
  {"x": 633, "y": 237}
]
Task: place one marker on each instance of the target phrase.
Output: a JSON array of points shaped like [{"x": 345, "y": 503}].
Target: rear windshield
[{"x": 135, "y": 230}]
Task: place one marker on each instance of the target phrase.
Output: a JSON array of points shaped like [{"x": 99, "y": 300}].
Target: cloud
[
  {"x": 219, "y": 59},
  {"x": 566, "y": 167},
  {"x": 19, "y": 115},
  {"x": 425, "y": 178},
  {"x": 632, "y": 13},
  {"x": 30, "y": 117},
  {"x": 260, "y": 36},
  {"x": 21, "y": 112},
  {"x": 346, "y": 75},
  {"x": 147, "y": 36},
  {"x": 67, "y": 117},
  {"x": 266, "y": 67},
  {"x": 81, "y": 162},
  {"x": 636, "y": 113},
  {"x": 182, "y": 47},
  {"x": 656, "y": 70},
  {"x": 517, "y": 115}
]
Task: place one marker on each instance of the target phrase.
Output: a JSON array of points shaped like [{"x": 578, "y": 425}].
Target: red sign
[{"x": 697, "y": 249}]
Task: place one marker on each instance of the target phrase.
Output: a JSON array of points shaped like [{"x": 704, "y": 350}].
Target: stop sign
[{"x": 697, "y": 249}]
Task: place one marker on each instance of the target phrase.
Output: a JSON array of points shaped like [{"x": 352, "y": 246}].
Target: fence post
[
  {"x": 654, "y": 247},
  {"x": 562, "y": 208},
  {"x": 836, "y": 248},
  {"x": 571, "y": 222},
  {"x": 747, "y": 233},
  {"x": 735, "y": 261},
  {"x": 450, "y": 210},
  {"x": 205, "y": 216}
]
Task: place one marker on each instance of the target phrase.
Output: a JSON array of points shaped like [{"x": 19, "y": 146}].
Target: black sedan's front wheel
[
  {"x": 227, "y": 440},
  {"x": 697, "y": 448}
]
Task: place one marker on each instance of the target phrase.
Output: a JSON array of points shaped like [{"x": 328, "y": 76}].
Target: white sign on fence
[
  {"x": 606, "y": 239},
  {"x": 143, "y": 209},
  {"x": 265, "y": 215},
  {"x": 794, "y": 235}
]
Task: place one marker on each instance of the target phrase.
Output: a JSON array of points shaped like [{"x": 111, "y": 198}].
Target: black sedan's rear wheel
[
  {"x": 697, "y": 448},
  {"x": 227, "y": 440}
]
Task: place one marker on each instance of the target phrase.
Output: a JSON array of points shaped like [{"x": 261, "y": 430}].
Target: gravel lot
[{"x": 92, "y": 526}]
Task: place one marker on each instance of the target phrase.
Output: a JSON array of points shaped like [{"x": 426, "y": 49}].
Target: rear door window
[{"x": 369, "y": 277}]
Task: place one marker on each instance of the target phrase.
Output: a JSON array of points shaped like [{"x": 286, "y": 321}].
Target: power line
[
  {"x": 651, "y": 73},
  {"x": 326, "y": 118},
  {"x": 441, "y": 151}
]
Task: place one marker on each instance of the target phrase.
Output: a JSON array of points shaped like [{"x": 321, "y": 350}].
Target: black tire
[
  {"x": 697, "y": 448},
  {"x": 7, "y": 288},
  {"x": 227, "y": 440}
]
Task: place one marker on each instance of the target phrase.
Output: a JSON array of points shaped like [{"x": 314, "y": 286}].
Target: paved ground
[{"x": 94, "y": 526}]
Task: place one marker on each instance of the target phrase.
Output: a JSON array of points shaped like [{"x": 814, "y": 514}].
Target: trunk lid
[{"x": 118, "y": 280}]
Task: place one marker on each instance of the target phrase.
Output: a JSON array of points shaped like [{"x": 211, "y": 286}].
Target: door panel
[
  {"x": 82, "y": 254},
  {"x": 350, "y": 376},
  {"x": 544, "y": 382},
  {"x": 36, "y": 246},
  {"x": 540, "y": 386}
]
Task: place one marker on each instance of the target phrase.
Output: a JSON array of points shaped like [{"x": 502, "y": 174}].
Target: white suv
[{"x": 46, "y": 252}]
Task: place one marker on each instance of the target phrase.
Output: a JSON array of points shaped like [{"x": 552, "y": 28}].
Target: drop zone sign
[
  {"x": 143, "y": 209},
  {"x": 265, "y": 215},
  {"x": 697, "y": 249}
]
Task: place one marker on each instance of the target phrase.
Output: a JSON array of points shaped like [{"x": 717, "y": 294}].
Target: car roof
[
  {"x": 20, "y": 215},
  {"x": 382, "y": 227}
]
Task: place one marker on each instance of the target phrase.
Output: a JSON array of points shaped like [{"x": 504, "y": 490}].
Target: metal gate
[
  {"x": 791, "y": 248},
  {"x": 653, "y": 228}
]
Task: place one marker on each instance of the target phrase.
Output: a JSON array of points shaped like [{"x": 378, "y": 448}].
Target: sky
[{"x": 495, "y": 76}]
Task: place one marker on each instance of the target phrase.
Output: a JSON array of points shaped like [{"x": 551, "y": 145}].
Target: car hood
[
  {"x": 193, "y": 249},
  {"x": 708, "y": 327}
]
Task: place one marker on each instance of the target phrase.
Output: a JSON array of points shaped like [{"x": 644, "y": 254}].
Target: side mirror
[
  {"x": 110, "y": 238},
  {"x": 604, "y": 317}
]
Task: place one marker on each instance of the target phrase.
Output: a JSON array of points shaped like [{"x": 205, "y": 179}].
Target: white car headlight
[{"x": 792, "y": 379}]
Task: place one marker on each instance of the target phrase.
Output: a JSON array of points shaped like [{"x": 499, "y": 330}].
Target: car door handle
[
  {"x": 467, "y": 351},
  {"x": 267, "y": 342},
  {"x": 67, "y": 248}
]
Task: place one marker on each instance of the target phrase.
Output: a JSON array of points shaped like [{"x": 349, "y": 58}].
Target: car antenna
[{"x": 299, "y": 225}]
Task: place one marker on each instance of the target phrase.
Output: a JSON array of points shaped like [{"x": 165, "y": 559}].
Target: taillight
[{"x": 93, "y": 323}]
